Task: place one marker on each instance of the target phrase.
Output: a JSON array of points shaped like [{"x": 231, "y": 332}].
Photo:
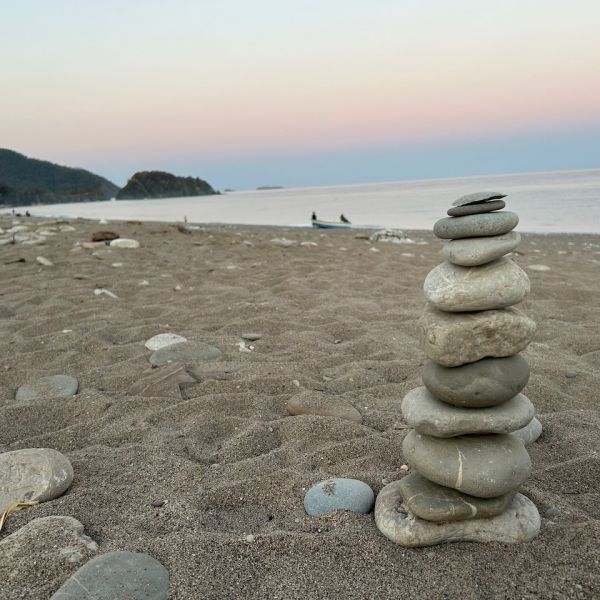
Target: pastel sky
[{"x": 302, "y": 92}]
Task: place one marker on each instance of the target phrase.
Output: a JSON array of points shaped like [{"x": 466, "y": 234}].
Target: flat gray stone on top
[
  {"x": 52, "y": 386},
  {"x": 338, "y": 494},
  {"x": 454, "y": 339},
  {"x": 471, "y": 252},
  {"x": 33, "y": 475},
  {"x": 475, "y": 209},
  {"x": 493, "y": 223},
  {"x": 477, "y": 197},
  {"x": 428, "y": 415},
  {"x": 117, "y": 576},
  {"x": 530, "y": 433},
  {"x": 484, "y": 466},
  {"x": 162, "y": 340},
  {"x": 520, "y": 522},
  {"x": 434, "y": 502},
  {"x": 497, "y": 284},
  {"x": 185, "y": 352},
  {"x": 487, "y": 382}
]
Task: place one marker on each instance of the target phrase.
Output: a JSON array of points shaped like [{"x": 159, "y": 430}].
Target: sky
[{"x": 302, "y": 92}]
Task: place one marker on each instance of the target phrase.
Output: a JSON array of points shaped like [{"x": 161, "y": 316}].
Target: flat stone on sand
[
  {"x": 53, "y": 386},
  {"x": 434, "y": 502},
  {"x": 33, "y": 475},
  {"x": 487, "y": 382},
  {"x": 471, "y": 252},
  {"x": 428, "y": 415},
  {"x": 318, "y": 403},
  {"x": 185, "y": 352},
  {"x": 530, "y": 433},
  {"x": 497, "y": 284},
  {"x": 117, "y": 576},
  {"x": 338, "y": 494},
  {"x": 494, "y": 223},
  {"x": 478, "y": 197},
  {"x": 520, "y": 522},
  {"x": 454, "y": 339},
  {"x": 475, "y": 209},
  {"x": 124, "y": 243},
  {"x": 484, "y": 466},
  {"x": 162, "y": 340}
]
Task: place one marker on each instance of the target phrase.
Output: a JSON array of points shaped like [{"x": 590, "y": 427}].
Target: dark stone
[
  {"x": 478, "y": 197},
  {"x": 475, "y": 209}
]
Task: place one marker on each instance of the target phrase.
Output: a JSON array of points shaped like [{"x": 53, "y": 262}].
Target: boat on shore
[{"x": 331, "y": 224}]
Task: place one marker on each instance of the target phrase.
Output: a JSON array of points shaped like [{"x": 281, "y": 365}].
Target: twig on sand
[{"x": 14, "y": 506}]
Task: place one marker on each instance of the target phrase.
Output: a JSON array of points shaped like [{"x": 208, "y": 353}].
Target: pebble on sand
[
  {"x": 185, "y": 352},
  {"x": 124, "y": 243},
  {"x": 540, "y": 268},
  {"x": 162, "y": 340},
  {"x": 52, "y": 386},
  {"x": 339, "y": 494}
]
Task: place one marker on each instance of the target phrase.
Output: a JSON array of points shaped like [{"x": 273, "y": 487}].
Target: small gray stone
[
  {"x": 428, "y": 415},
  {"x": 484, "y": 466},
  {"x": 33, "y": 475},
  {"x": 53, "y": 386},
  {"x": 497, "y": 284},
  {"x": 570, "y": 374},
  {"x": 338, "y": 494},
  {"x": 251, "y": 337},
  {"x": 494, "y": 223},
  {"x": 478, "y": 197},
  {"x": 520, "y": 522},
  {"x": 471, "y": 252},
  {"x": 487, "y": 382},
  {"x": 318, "y": 403},
  {"x": 434, "y": 502},
  {"x": 162, "y": 340},
  {"x": 117, "y": 576},
  {"x": 530, "y": 433},
  {"x": 475, "y": 209},
  {"x": 185, "y": 352},
  {"x": 454, "y": 339}
]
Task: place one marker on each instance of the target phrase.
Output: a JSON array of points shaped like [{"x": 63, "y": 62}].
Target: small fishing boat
[{"x": 331, "y": 224}]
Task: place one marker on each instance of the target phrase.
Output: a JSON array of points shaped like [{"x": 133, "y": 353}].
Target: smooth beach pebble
[
  {"x": 454, "y": 339},
  {"x": 251, "y": 337},
  {"x": 530, "y": 433},
  {"x": 475, "y": 209},
  {"x": 53, "y": 386},
  {"x": 570, "y": 374},
  {"x": 338, "y": 494},
  {"x": 487, "y": 382},
  {"x": 434, "y": 502},
  {"x": 33, "y": 475},
  {"x": 162, "y": 340},
  {"x": 472, "y": 252},
  {"x": 318, "y": 403},
  {"x": 497, "y": 284},
  {"x": 428, "y": 415},
  {"x": 478, "y": 197},
  {"x": 124, "y": 243},
  {"x": 494, "y": 223},
  {"x": 484, "y": 466},
  {"x": 185, "y": 352},
  {"x": 539, "y": 268},
  {"x": 117, "y": 576}
]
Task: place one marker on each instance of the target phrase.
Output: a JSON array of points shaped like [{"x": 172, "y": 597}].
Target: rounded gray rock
[
  {"x": 185, "y": 352},
  {"x": 487, "y": 382},
  {"x": 117, "y": 576},
  {"x": 428, "y": 415},
  {"x": 530, "y": 433},
  {"x": 472, "y": 252},
  {"x": 338, "y": 494},
  {"x": 494, "y": 223},
  {"x": 33, "y": 475},
  {"x": 478, "y": 197},
  {"x": 484, "y": 466},
  {"x": 497, "y": 284},
  {"x": 53, "y": 386},
  {"x": 475, "y": 209}
]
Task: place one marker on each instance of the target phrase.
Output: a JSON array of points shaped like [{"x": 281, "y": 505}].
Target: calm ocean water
[{"x": 566, "y": 201}]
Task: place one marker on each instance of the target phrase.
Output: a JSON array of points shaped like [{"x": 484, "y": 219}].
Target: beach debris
[
  {"x": 309, "y": 244},
  {"x": 312, "y": 402},
  {"x": 245, "y": 346},
  {"x": 539, "y": 268},
  {"x": 33, "y": 475},
  {"x": 103, "y": 222},
  {"x": 105, "y": 292},
  {"x": 44, "y": 261},
  {"x": 283, "y": 242},
  {"x": 162, "y": 340},
  {"x": 104, "y": 236},
  {"x": 373, "y": 249},
  {"x": 124, "y": 243},
  {"x": 12, "y": 507},
  {"x": 338, "y": 494},
  {"x": 117, "y": 575},
  {"x": 185, "y": 352},
  {"x": 248, "y": 243},
  {"x": 51, "y": 386},
  {"x": 116, "y": 265},
  {"x": 395, "y": 236},
  {"x": 144, "y": 282}
]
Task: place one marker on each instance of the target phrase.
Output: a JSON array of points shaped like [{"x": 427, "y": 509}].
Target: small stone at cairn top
[{"x": 469, "y": 424}]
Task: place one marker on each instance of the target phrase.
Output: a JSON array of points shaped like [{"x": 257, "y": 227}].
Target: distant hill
[
  {"x": 26, "y": 180},
  {"x": 158, "y": 184}
]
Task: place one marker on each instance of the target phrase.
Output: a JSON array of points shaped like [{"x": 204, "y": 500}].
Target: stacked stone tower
[{"x": 466, "y": 461}]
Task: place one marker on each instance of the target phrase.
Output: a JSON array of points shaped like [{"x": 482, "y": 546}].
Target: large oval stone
[
  {"x": 487, "y": 382},
  {"x": 33, "y": 475},
  {"x": 117, "y": 576},
  {"x": 338, "y": 494},
  {"x": 484, "y": 466},
  {"x": 477, "y": 198},
  {"x": 471, "y": 252},
  {"x": 494, "y": 223},
  {"x": 318, "y": 403},
  {"x": 475, "y": 209},
  {"x": 425, "y": 413},
  {"x": 52, "y": 386},
  {"x": 454, "y": 339},
  {"x": 434, "y": 502},
  {"x": 498, "y": 284},
  {"x": 184, "y": 352}
]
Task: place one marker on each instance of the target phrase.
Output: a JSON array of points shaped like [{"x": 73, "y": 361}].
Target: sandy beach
[{"x": 336, "y": 314}]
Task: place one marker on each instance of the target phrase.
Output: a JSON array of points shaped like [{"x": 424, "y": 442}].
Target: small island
[{"x": 158, "y": 184}]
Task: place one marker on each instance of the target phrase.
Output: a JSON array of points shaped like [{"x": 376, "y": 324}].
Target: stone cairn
[{"x": 469, "y": 423}]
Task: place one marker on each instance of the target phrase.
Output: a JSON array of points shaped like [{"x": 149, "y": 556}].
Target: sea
[{"x": 549, "y": 202}]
